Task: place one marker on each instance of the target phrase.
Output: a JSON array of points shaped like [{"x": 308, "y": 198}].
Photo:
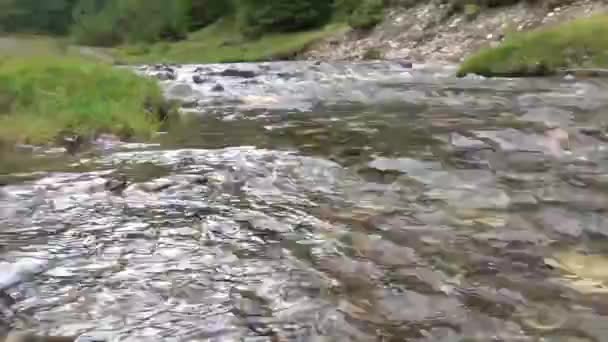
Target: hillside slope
[{"x": 425, "y": 33}]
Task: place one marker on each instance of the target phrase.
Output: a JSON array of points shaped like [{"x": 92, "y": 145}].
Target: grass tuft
[
  {"x": 578, "y": 43},
  {"x": 43, "y": 97}
]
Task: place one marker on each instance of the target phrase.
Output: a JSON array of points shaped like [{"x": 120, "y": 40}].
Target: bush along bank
[
  {"x": 242, "y": 31},
  {"x": 222, "y": 42},
  {"x": 581, "y": 43},
  {"x": 45, "y": 98}
]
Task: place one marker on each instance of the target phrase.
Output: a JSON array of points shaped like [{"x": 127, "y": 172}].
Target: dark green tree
[
  {"x": 112, "y": 22},
  {"x": 205, "y": 12},
  {"x": 258, "y": 16},
  {"x": 48, "y": 16}
]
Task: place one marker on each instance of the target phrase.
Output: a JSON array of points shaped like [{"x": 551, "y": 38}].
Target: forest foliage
[{"x": 115, "y": 22}]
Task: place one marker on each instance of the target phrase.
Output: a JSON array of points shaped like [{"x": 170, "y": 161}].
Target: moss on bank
[
  {"x": 44, "y": 97},
  {"x": 222, "y": 42},
  {"x": 579, "y": 43}
]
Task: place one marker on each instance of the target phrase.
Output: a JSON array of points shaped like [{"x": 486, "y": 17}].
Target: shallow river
[{"x": 324, "y": 202}]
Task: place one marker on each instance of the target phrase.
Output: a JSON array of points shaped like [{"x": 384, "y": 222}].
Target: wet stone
[
  {"x": 520, "y": 161},
  {"x": 189, "y": 103},
  {"x": 351, "y": 274},
  {"x": 411, "y": 307},
  {"x": 560, "y": 221},
  {"x": 512, "y": 140},
  {"x": 165, "y": 76},
  {"x": 235, "y": 73},
  {"x": 523, "y": 199},
  {"x": 481, "y": 198},
  {"x": 577, "y": 198},
  {"x": 218, "y": 87},
  {"x": 548, "y": 117},
  {"x": 595, "y": 224},
  {"x": 158, "y": 185},
  {"x": 405, "y": 64},
  {"x": 513, "y": 236},
  {"x": 182, "y": 232},
  {"x": 198, "y": 79},
  {"x": 14, "y": 273},
  {"x": 263, "y": 223},
  {"x": 459, "y": 142},
  {"x": 405, "y": 165},
  {"x": 383, "y": 252},
  {"x": 180, "y": 90}
]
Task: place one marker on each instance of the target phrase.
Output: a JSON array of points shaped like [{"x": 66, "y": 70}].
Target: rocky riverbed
[{"x": 301, "y": 201}]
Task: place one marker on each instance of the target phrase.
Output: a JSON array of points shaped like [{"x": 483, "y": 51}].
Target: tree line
[{"x": 112, "y": 22}]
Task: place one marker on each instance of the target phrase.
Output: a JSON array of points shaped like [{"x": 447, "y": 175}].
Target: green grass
[
  {"x": 27, "y": 45},
  {"x": 222, "y": 42},
  {"x": 578, "y": 43},
  {"x": 23, "y": 45},
  {"x": 51, "y": 94}
]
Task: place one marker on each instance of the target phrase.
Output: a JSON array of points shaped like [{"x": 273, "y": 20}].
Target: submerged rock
[
  {"x": 459, "y": 142},
  {"x": 198, "y": 79},
  {"x": 180, "y": 90},
  {"x": 116, "y": 185},
  {"x": 72, "y": 143},
  {"x": 17, "y": 336},
  {"x": 217, "y": 88},
  {"x": 13, "y": 274},
  {"x": 588, "y": 273},
  {"x": 405, "y": 64},
  {"x": 165, "y": 76},
  {"x": 235, "y": 73},
  {"x": 163, "y": 72},
  {"x": 511, "y": 140},
  {"x": 549, "y": 117},
  {"x": 405, "y": 165},
  {"x": 258, "y": 222},
  {"x": 189, "y": 103},
  {"x": 560, "y": 221},
  {"x": 382, "y": 251}
]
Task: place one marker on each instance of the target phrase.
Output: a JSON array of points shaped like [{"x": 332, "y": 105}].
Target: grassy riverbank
[
  {"x": 222, "y": 42},
  {"x": 579, "y": 43},
  {"x": 49, "y": 87},
  {"x": 52, "y": 94}
]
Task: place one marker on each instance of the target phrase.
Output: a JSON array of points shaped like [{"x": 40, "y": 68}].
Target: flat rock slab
[{"x": 13, "y": 274}]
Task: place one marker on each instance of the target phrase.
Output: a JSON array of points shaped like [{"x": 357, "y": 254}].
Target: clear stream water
[{"x": 330, "y": 202}]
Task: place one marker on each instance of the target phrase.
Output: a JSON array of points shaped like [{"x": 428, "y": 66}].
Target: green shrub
[
  {"x": 259, "y": 16},
  {"x": 137, "y": 49},
  {"x": 119, "y": 21},
  {"x": 98, "y": 29},
  {"x": 367, "y": 15},
  {"x": 373, "y": 54},
  {"x": 471, "y": 11},
  {"x": 205, "y": 12},
  {"x": 42, "y": 97},
  {"x": 345, "y": 8},
  {"x": 48, "y": 16},
  {"x": 579, "y": 43}
]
